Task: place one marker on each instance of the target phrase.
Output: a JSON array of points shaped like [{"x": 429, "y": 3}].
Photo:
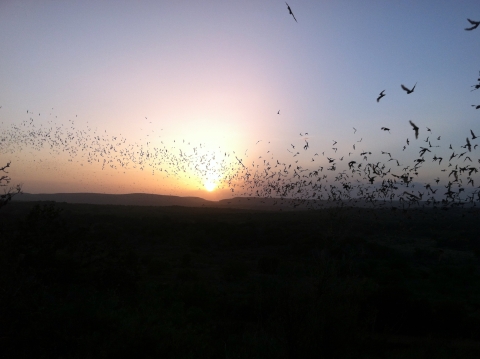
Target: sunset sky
[{"x": 212, "y": 75}]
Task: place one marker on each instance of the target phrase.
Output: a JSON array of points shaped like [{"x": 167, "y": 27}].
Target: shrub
[{"x": 12, "y": 191}]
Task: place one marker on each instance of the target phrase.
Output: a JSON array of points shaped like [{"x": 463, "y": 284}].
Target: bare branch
[{"x": 12, "y": 191}]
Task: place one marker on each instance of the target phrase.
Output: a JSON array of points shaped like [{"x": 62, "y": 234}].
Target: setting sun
[{"x": 210, "y": 186}]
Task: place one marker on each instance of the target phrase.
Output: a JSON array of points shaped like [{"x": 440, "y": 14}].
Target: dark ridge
[
  {"x": 247, "y": 203},
  {"x": 146, "y": 199},
  {"x": 131, "y": 199}
]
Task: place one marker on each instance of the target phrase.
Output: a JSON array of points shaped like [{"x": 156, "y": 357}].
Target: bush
[{"x": 12, "y": 191}]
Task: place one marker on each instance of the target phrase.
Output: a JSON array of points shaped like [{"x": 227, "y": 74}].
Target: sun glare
[{"x": 209, "y": 186}]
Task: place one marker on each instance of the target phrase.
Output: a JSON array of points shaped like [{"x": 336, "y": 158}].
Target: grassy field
[{"x": 98, "y": 281}]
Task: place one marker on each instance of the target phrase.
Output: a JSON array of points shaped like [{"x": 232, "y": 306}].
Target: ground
[{"x": 97, "y": 281}]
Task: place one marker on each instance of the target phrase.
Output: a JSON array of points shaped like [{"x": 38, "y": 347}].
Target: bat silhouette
[
  {"x": 408, "y": 90},
  {"x": 291, "y": 13}
]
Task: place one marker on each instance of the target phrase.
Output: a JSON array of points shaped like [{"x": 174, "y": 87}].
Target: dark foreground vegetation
[{"x": 85, "y": 281}]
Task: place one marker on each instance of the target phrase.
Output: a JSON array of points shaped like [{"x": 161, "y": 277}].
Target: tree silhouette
[{"x": 4, "y": 182}]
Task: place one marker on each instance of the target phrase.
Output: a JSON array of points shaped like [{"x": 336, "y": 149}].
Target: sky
[{"x": 207, "y": 79}]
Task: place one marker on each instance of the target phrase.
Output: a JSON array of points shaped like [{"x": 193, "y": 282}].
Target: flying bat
[
  {"x": 408, "y": 90},
  {"x": 474, "y": 23},
  {"x": 290, "y": 10},
  {"x": 380, "y": 96},
  {"x": 415, "y": 128}
]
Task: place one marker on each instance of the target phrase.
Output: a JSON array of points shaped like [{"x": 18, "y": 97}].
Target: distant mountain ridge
[
  {"x": 131, "y": 199},
  {"x": 146, "y": 199}
]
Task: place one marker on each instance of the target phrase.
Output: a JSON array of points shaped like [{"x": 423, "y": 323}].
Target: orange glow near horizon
[
  {"x": 103, "y": 161},
  {"x": 210, "y": 186}
]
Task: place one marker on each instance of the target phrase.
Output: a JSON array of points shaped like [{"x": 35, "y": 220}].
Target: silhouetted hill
[
  {"x": 146, "y": 199},
  {"x": 132, "y": 199}
]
